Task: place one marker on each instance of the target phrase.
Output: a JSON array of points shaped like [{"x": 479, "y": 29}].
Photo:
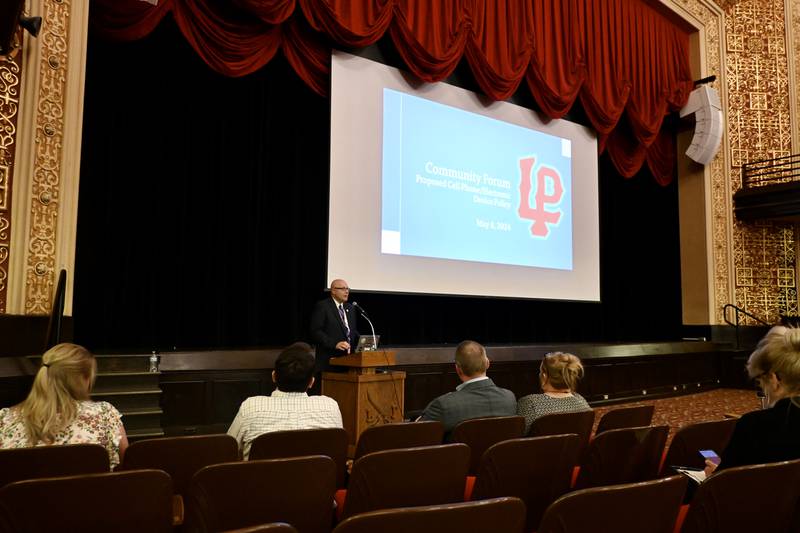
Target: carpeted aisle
[{"x": 683, "y": 410}]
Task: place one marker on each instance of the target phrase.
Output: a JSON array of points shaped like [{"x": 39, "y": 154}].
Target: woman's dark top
[{"x": 765, "y": 436}]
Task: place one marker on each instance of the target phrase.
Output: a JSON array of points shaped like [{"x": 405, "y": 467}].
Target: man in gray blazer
[{"x": 476, "y": 397}]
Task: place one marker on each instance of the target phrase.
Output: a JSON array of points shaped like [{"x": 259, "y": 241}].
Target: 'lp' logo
[{"x": 538, "y": 214}]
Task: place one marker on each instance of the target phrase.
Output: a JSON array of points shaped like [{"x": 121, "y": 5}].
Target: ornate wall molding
[
  {"x": 10, "y": 72},
  {"x": 48, "y": 156},
  {"x": 760, "y": 127},
  {"x": 46, "y": 193}
]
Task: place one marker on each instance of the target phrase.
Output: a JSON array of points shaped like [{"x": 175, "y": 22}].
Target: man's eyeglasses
[{"x": 341, "y": 288}]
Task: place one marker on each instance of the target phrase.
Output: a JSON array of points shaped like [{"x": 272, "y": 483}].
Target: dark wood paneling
[{"x": 25, "y": 334}]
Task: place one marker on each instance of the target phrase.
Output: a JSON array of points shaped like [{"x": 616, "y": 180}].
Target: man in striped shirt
[{"x": 289, "y": 406}]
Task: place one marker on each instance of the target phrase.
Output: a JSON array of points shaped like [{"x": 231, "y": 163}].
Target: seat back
[
  {"x": 535, "y": 469},
  {"x": 505, "y": 515},
  {"x": 120, "y": 502},
  {"x": 689, "y": 440},
  {"x": 402, "y": 435},
  {"x": 480, "y": 433},
  {"x": 180, "y": 457},
  {"x": 626, "y": 417},
  {"x": 296, "y": 490},
  {"x": 426, "y": 475},
  {"x": 623, "y": 456},
  {"x": 579, "y": 422},
  {"x": 274, "y": 527},
  {"x": 650, "y": 506},
  {"x": 747, "y": 498},
  {"x": 17, "y": 464},
  {"x": 330, "y": 442}
]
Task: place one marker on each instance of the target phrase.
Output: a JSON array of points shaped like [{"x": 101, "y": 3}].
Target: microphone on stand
[{"x": 364, "y": 314}]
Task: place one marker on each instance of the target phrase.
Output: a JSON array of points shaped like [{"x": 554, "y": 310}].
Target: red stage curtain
[{"x": 627, "y": 63}]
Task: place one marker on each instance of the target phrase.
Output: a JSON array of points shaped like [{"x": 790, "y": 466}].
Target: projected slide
[{"x": 462, "y": 186}]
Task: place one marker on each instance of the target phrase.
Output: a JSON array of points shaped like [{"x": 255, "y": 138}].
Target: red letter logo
[{"x": 538, "y": 215}]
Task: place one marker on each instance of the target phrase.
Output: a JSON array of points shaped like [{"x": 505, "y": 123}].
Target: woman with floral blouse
[{"x": 58, "y": 409}]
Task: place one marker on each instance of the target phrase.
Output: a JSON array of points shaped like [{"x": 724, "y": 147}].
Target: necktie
[{"x": 344, "y": 321}]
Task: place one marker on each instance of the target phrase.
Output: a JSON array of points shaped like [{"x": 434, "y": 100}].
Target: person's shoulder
[
  {"x": 529, "y": 399},
  {"x": 98, "y": 408},
  {"x": 325, "y": 401},
  {"x": 8, "y": 415},
  {"x": 444, "y": 398}
]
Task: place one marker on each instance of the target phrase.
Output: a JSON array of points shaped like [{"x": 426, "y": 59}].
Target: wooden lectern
[{"x": 366, "y": 398}]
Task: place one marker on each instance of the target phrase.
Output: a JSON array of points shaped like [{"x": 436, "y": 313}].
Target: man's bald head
[
  {"x": 471, "y": 359},
  {"x": 340, "y": 290}
]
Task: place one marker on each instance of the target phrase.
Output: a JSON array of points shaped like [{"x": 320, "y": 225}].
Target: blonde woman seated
[
  {"x": 58, "y": 409},
  {"x": 558, "y": 376},
  {"x": 772, "y": 434}
]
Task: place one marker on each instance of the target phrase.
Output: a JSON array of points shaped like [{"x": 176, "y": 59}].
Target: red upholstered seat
[
  {"x": 648, "y": 506},
  {"x": 536, "y": 469},
  {"x": 747, "y": 498},
  {"x": 626, "y": 417},
  {"x": 297, "y": 490},
  {"x": 426, "y": 475},
  {"x": 689, "y": 440},
  {"x": 330, "y": 442},
  {"x": 622, "y": 456},
  {"x": 402, "y": 435},
  {"x": 501, "y": 515},
  {"x": 481, "y": 433},
  {"x": 124, "y": 502},
  {"x": 18, "y": 464}
]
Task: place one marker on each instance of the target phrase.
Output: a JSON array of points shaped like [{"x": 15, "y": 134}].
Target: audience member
[
  {"x": 58, "y": 409},
  {"x": 476, "y": 397},
  {"x": 558, "y": 377},
  {"x": 289, "y": 406},
  {"x": 772, "y": 434}
]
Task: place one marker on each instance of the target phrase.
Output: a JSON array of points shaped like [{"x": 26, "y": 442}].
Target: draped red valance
[{"x": 622, "y": 58}]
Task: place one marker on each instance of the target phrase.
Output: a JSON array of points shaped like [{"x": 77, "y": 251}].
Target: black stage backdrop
[{"x": 203, "y": 222}]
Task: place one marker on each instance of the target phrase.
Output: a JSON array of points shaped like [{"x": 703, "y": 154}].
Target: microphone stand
[{"x": 371, "y": 327}]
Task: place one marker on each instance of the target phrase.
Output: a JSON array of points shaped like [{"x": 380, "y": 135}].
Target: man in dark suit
[
  {"x": 476, "y": 397},
  {"x": 333, "y": 325}
]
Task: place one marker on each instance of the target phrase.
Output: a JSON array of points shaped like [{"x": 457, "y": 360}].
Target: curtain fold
[{"x": 626, "y": 62}]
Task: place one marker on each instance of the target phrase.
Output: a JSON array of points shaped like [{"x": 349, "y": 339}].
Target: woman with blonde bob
[
  {"x": 58, "y": 409},
  {"x": 772, "y": 434},
  {"x": 558, "y": 377}
]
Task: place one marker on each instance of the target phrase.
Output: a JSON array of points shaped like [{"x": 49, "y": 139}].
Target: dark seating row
[{"x": 253, "y": 496}]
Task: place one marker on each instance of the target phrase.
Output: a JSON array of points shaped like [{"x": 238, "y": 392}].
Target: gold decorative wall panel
[
  {"x": 46, "y": 177},
  {"x": 759, "y": 127},
  {"x": 10, "y": 69}
]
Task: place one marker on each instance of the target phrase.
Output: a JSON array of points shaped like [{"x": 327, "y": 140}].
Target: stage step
[
  {"x": 140, "y": 419},
  {"x": 145, "y": 433},
  {"x": 124, "y": 382}
]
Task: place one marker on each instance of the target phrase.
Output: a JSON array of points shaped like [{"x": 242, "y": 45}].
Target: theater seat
[
  {"x": 689, "y": 440},
  {"x": 648, "y": 506},
  {"x": 747, "y": 498},
  {"x": 18, "y": 464},
  {"x": 579, "y": 422},
  {"x": 499, "y": 515},
  {"x": 622, "y": 456},
  {"x": 181, "y": 458},
  {"x": 626, "y": 417},
  {"x": 122, "y": 502},
  {"x": 402, "y": 435},
  {"x": 330, "y": 442},
  {"x": 297, "y": 490},
  {"x": 537, "y": 470},
  {"x": 426, "y": 475},
  {"x": 480, "y": 433}
]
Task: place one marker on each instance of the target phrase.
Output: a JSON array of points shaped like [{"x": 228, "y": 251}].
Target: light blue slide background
[{"x": 440, "y": 222}]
